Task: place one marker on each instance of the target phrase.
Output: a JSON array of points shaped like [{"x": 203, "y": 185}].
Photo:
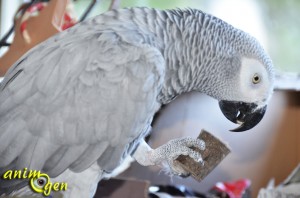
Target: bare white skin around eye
[{"x": 254, "y": 82}]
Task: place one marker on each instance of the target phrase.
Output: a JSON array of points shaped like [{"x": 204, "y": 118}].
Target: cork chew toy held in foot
[{"x": 215, "y": 151}]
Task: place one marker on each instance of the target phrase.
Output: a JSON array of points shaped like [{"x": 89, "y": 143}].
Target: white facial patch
[{"x": 254, "y": 81}]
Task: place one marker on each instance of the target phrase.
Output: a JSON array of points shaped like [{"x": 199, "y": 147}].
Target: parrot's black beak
[{"x": 245, "y": 114}]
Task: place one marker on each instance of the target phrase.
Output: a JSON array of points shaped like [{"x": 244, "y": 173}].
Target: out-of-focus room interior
[{"x": 265, "y": 154}]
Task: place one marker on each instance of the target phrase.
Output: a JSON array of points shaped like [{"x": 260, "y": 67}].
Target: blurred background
[
  {"x": 270, "y": 150},
  {"x": 275, "y": 23}
]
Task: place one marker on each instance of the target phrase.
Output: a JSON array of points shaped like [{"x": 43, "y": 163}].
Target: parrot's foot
[{"x": 170, "y": 151}]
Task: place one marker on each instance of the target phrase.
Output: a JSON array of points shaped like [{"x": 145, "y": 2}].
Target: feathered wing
[{"x": 79, "y": 97}]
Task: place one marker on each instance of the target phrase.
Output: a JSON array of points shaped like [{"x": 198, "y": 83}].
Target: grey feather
[
  {"x": 66, "y": 160},
  {"x": 90, "y": 155}
]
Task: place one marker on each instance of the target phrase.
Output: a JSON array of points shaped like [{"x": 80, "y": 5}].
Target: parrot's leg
[{"x": 169, "y": 152}]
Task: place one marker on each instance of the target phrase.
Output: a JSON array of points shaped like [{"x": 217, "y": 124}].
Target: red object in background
[
  {"x": 234, "y": 189},
  {"x": 68, "y": 21},
  {"x": 36, "y": 7}
]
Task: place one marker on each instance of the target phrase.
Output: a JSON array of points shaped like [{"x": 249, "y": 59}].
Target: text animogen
[{"x": 39, "y": 182}]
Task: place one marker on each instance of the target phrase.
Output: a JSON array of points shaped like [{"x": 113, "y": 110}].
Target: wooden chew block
[{"x": 215, "y": 151}]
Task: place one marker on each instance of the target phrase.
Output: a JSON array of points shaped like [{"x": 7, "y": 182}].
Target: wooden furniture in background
[{"x": 39, "y": 28}]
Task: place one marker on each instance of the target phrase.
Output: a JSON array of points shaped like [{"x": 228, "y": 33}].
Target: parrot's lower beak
[{"x": 245, "y": 114}]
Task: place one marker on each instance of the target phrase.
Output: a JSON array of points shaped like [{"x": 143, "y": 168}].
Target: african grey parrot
[{"x": 77, "y": 104}]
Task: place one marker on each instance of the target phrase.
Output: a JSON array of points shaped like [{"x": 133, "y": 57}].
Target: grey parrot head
[
  {"x": 223, "y": 62},
  {"x": 237, "y": 71},
  {"x": 249, "y": 83}
]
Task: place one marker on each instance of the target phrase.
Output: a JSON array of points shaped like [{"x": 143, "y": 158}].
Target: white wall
[{"x": 8, "y": 10}]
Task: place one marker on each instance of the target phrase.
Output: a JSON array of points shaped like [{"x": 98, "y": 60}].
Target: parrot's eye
[{"x": 256, "y": 79}]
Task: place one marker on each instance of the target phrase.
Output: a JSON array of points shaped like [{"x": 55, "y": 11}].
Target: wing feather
[
  {"x": 78, "y": 97},
  {"x": 66, "y": 160},
  {"x": 90, "y": 155},
  {"x": 14, "y": 148},
  {"x": 51, "y": 162},
  {"x": 35, "y": 151}
]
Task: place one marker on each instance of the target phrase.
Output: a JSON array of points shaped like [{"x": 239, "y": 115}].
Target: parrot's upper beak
[{"x": 245, "y": 114}]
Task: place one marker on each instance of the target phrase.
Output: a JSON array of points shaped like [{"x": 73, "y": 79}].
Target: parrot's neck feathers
[{"x": 192, "y": 43}]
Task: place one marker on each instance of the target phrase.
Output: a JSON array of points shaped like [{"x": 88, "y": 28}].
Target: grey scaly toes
[{"x": 174, "y": 148}]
